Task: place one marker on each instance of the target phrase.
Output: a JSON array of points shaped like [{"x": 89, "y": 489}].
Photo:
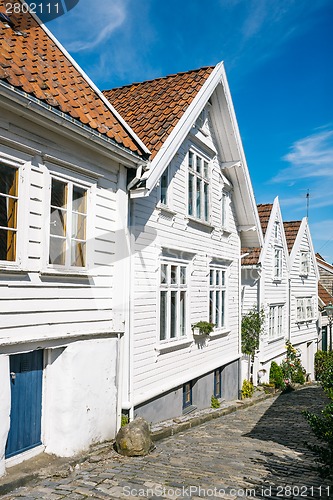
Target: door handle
[{"x": 13, "y": 375}]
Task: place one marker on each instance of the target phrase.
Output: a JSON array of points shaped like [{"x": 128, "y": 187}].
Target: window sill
[
  {"x": 219, "y": 333},
  {"x": 189, "y": 409},
  {"x": 302, "y": 321},
  {"x": 272, "y": 341},
  {"x": 192, "y": 221},
  {"x": 173, "y": 345},
  {"x": 70, "y": 273},
  {"x": 166, "y": 211}
]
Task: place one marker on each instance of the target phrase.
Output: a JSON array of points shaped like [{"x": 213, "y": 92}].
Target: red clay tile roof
[
  {"x": 291, "y": 230},
  {"x": 153, "y": 108},
  {"x": 324, "y": 295},
  {"x": 35, "y": 64},
  {"x": 264, "y": 211},
  {"x": 253, "y": 258}
]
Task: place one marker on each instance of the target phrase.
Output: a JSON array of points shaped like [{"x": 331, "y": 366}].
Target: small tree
[{"x": 252, "y": 328}]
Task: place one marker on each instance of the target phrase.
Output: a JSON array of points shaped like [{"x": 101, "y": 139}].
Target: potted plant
[{"x": 202, "y": 328}]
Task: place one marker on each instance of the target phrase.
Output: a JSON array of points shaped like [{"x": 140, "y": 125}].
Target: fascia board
[
  {"x": 304, "y": 228},
  {"x": 244, "y": 167},
  {"x": 128, "y": 129},
  {"x": 268, "y": 232},
  {"x": 182, "y": 129},
  {"x": 308, "y": 233}
]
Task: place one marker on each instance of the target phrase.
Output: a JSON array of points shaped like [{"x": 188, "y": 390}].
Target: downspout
[
  {"x": 239, "y": 323},
  {"x": 289, "y": 309}
]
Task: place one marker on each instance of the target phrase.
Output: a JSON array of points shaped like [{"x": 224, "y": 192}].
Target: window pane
[
  {"x": 190, "y": 194},
  {"x": 211, "y": 307},
  {"x": 223, "y": 278},
  {"x": 182, "y": 313},
  {"x": 173, "y": 329},
  {"x": 8, "y": 180},
  {"x": 182, "y": 275},
  {"x": 164, "y": 269},
  {"x": 218, "y": 277},
  {"x": 205, "y": 169},
  {"x": 57, "y": 251},
  {"x": 206, "y": 201},
  {"x": 8, "y": 211},
  {"x": 198, "y": 206},
  {"x": 174, "y": 279},
  {"x": 78, "y": 254},
  {"x": 198, "y": 164},
  {"x": 79, "y": 200},
  {"x": 79, "y": 226},
  {"x": 217, "y": 309},
  {"x": 163, "y": 316},
  {"x": 58, "y": 194},
  {"x": 190, "y": 159},
  {"x": 222, "y": 309},
  {"x": 58, "y": 222},
  {"x": 211, "y": 277},
  {"x": 164, "y": 186},
  {"x": 7, "y": 245}
]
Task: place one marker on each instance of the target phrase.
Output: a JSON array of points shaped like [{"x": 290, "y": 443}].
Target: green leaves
[{"x": 252, "y": 328}]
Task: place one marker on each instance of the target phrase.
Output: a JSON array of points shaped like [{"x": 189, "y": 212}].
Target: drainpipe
[{"x": 289, "y": 308}]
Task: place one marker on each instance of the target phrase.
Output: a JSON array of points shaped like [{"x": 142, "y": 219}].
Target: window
[
  {"x": 305, "y": 264},
  {"x": 198, "y": 186},
  {"x": 217, "y": 294},
  {"x": 164, "y": 183},
  {"x": 68, "y": 224},
  {"x": 173, "y": 301},
  {"x": 8, "y": 212},
  {"x": 304, "y": 306},
  {"x": 275, "y": 328},
  {"x": 277, "y": 263},
  {"x": 224, "y": 210},
  {"x": 218, "y": 383},
  {"x": 187, "y": 395},
  {"x": 276, "y": 230}
]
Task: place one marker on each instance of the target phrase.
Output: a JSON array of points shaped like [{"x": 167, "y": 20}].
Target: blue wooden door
[{"x": 26, "y": 376}]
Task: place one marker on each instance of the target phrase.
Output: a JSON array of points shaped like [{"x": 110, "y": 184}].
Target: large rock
[{"x": 134, "y": 439}]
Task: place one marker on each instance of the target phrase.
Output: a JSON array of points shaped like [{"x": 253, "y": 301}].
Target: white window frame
[
  {"x": 21, "y": 225},
  {"x": 68, "y": 267},
  {"x": 165, "y": 176},
  {"x": 277, "y": 269},
  {"x": 304, "y": 309},
  {"x": 173, "y": 282},
  {"x": 304, "y": 263},
  {"x": 217, "y": 299},
  {"x": 275, "y": 321},
  {"x": 198, "y": 179},
  {"x": 276, "y": 230}
]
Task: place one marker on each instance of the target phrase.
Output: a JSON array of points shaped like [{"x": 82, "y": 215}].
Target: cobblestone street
[{"x": 258, "y": 452}]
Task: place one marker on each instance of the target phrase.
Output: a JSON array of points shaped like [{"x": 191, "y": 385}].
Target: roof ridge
[{"x": 171, "y": 75}]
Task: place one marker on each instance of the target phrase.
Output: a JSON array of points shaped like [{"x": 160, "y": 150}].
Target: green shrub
[
  {"x": 247, "y": 389},
  {"x": 215, "y": 403},
  {"x": 276, "y": 375},
  {"x": 124, "y": 420},
  {"x": 322, "y": 425},
  {"x": 291, "y": 366},
  {"x": 320, "y": 359}
]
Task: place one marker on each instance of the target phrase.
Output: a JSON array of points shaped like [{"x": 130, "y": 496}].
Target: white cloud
[
  {"x": 91, "y": 22},
  {"x": 310, "y": 157}
]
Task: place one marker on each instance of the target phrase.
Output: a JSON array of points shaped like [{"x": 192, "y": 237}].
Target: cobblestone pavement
[{"x": 258, "y": 452}]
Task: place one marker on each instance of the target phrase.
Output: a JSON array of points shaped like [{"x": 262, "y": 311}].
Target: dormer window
[
  {"x": 305, "y": 263},
  {"x": 276, "y": 230},
  {"x": 8, "y": 212}
]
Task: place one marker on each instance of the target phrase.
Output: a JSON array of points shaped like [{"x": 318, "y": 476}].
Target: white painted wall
[
  {"x": 154, "y": 370},
  {"x": 80, "y": 396}
]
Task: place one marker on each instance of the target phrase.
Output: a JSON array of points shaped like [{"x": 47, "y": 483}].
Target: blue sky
[{"x": 278, "y": 57}]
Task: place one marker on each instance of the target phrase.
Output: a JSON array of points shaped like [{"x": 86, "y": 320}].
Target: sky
[{"x": 278, "y": 55}]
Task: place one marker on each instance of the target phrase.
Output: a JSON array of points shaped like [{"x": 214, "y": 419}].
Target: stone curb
[{"x": 195, "y": 419}]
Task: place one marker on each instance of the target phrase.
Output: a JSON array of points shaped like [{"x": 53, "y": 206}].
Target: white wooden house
[
  {"x": 190, "y": 214},
  {"x": 281, "y": 278},
  {"x": 303, "y": 292},
  {"x": 64, "y": 157},
  {"x": 325, "y": 297},
  {"x": 265, "y": 275}
]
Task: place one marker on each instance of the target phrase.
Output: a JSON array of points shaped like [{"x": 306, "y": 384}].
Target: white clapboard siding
[{"x": 154, "y": 230}]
